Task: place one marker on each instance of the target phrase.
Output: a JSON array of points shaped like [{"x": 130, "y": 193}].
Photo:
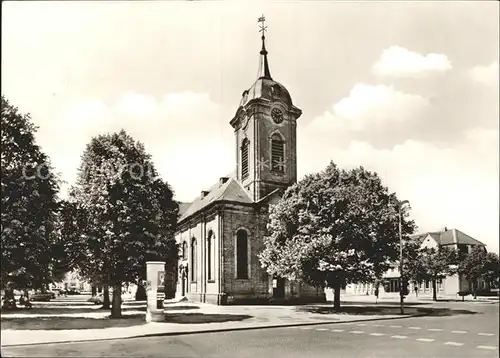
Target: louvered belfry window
[
  {"x": 277, "y": 154},
  {"x": 244, "y": 159}
]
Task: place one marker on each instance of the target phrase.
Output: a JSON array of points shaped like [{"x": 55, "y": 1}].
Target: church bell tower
[{"x": 265, "y": 127}]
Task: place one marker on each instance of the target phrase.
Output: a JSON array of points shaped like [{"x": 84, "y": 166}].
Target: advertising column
[{"x": 155, "y": 274}]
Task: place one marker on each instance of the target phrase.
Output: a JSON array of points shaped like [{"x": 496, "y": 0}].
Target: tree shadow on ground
[
  {"x": 193, "y": 318},
  {"x": 74, "y": 323},
  {"x": 179, "y": 308},
  {"x": 384, "y": 310},
  {"x": 382, "y": 303},
  {"x": 59, "y": 310}
]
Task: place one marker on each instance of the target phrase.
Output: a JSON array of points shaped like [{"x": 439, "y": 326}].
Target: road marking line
[
  {"x": 321, "y": 329},
  {"x": 395, "y": 326},
  {"x": 487, "y": 347},
  {"x": 413, "y": 327},
  {"x": 435, "y": 329},
  {"x": 337, "y": 330},
  {"x": 357, "y": 332},
  {"x": 306, "y": 328},
  {"x": 454, "y": 344},
  {"x": 458, "y": 331},
  {"x": 400, "y": 337},
  {"x": 377, "y": 334},
  {"x": 361, "y": 324},
  {"x": 377, "y": 325},
  {"x": 485, "y": 334},
  {"x": 426, "y": 339}
]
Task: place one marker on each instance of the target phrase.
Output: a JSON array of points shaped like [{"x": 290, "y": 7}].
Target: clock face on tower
[{"x": 277, "y": 115}]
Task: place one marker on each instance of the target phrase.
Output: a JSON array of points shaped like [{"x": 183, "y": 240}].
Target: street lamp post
[{"x": 401, "y": 293}]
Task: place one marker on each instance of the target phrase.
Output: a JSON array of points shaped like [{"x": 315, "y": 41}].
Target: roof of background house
[
  {"x": 453, "y": 236},
  {"x": 231, "y": 190}
]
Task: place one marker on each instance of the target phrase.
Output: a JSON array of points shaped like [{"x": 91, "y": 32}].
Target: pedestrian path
[{"x": 259, "y": 317}]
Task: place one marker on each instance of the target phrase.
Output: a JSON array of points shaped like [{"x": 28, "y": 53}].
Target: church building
[{"x": 221, "y": 232}]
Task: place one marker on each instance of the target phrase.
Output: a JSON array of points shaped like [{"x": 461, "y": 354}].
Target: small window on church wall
[
  {"x": 241, "y": 254},
  {"x": 244, "y": 159},
  {"x": 184, "y": 250},
  {"x": 210, "y": 259},
  {"x": 193, "y": 260},
  {"x": 277, "y": 154}
]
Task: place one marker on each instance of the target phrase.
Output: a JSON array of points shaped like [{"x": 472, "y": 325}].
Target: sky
[{"x": 407, "y": 89}]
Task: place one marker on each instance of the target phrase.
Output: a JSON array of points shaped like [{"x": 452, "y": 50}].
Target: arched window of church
[
  {"x": 193, "y": 260},
  {"x": 184, "y": 250},
  {"x": 210, "y": 258},
  {"x": 242, "y": 254},
  {"x": 244, "y": 159},
  {"x": 277, "y": 153}
]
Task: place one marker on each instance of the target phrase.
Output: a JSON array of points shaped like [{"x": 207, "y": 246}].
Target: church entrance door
[{"x": 279, "y": 288}]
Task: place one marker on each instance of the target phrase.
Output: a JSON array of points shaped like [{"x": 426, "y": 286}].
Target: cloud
[
  {"x": 182, "y": 131},
  {"x": 487, "y": 75},
  {"x": 371, "y": 105},
  {"x": 397, "y": 61}
]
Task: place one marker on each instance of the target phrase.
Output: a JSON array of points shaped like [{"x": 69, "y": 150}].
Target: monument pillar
[{"x": 155, "y": 288}]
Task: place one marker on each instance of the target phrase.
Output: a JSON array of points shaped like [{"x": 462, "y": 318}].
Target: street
[{"x": 462, "y": 335}]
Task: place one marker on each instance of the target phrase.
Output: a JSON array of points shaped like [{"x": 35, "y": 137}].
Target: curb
[{"x": 214, "y": 330}]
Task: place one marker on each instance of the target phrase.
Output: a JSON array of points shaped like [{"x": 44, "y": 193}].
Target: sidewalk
[
  {"x": 423, "y": 298},
  {"x": 258, "y": 317}
]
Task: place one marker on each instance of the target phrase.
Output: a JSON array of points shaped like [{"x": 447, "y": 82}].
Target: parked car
[{"x": 41, "y": 296}]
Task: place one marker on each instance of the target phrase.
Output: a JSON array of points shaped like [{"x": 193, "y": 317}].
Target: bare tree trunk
[
  {"x": 106, "y": 303},
  {"x": 474, "y": 288},
  {"x": 116, "y": 308},
  {"x": 336, "y": 296},
  {"x": 434, "y": 290},
  {"x": 94, "y": 290}
]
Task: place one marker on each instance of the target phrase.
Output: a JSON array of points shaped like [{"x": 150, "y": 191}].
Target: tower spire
[{"x": 263, "y": 64}]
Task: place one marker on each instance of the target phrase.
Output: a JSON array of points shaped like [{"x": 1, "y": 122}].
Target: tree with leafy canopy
[
  {"x": 432, "y": 264},
  {"x": 131, "y": 214},
  {"x": 29, "y": 203},
  {"x": 333, "y": 228},
  {"x": 478, "y": 264}
]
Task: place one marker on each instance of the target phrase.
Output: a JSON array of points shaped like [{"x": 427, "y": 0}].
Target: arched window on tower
[
  {"x": 242, "y": 254},
  {"x": 277, "y": 153},
  {"x": 210, "y": 258},
  {"x": 244, "y": 159},
  {"x": 193, "y": 260}
]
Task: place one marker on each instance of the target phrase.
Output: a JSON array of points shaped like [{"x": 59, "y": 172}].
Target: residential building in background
[{"x": 451, "y": 285}]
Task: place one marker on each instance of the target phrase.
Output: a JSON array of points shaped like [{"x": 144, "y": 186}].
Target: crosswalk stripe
[
  {"x": 377, "y": 334},
  {"x": 485, "y": 334},
  {"x": 400, "y": 337},
  {"x": 321, "y": 329},
  {"x": 413, "y": 327},
  {"x": 357, "y": 332},
  {"x": 395, "y": 326},
  {"x": 454, "y": 344},
  {"x": 337, "y": 330},
  {"x": 425, "y": 339},
  {"x": 458, "y": 331},
  {"x": 486, "y": 347},
  {"x": 435, "y": 329}
]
